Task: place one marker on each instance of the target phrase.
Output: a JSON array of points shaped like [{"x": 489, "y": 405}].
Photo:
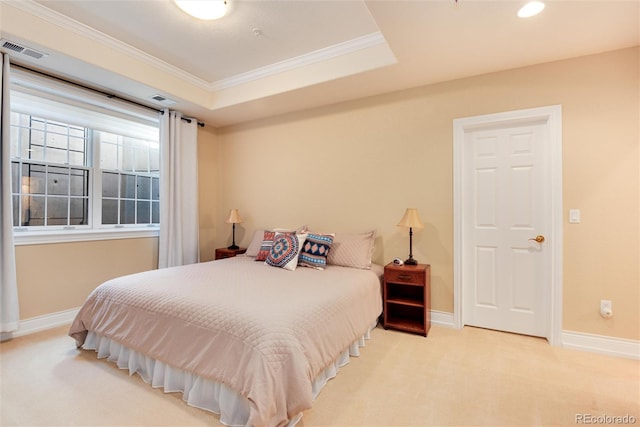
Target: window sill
[{"x": 67, "y": 236}]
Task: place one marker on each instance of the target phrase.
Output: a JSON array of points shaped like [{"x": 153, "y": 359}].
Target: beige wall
[
  {"x": 357, "y": 165},
  {"x": 58, "y": 277}
]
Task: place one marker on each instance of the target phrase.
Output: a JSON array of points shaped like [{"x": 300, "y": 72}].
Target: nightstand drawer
[{"x": 405, "y": 276}]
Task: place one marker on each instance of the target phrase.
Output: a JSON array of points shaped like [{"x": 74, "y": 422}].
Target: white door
[{"x": 506, "y": 226}]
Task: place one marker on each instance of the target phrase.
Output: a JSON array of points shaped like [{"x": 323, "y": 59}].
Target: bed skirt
[{"x": 200, "y": 392}]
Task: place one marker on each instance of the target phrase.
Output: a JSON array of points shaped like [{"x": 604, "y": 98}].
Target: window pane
[
  {"x": 57, "y": 210},
  {"x": 156, "y": 189},
  {"x": 144, "y": 212},
  {"x": 127, "y": 158},
  {"x": 15, "y": 177},
  {"x": 37, "y": 138},
  {"x": 23, "y": 141},
  {"x": 154, "y": 160},
  {"x": 77, "y": 144},
  {"x": 109, "y": 184},
  {"x": 79, "y": 182},
  {"x": 76, "y": 158},
  {"x": 34, "y": 210},
  {"x": 16, "y": 210},
  {"x": 75, "y": 133},
  {"x": 127, "y": 212},
  {"x": 108, "y": 156},
  {"x": 144, "y": 187},
  {"x": 127, "y": 186},
  {"x": 33, "y": 179},
  {"x": 58, "y": 181},
  {"x": 142, "y": 159},
  {"x": 109, "y": 211},
  {"x": 56, "y": 127},
  {"x": 79, "y": 211},
  {"x": 155, "y": 212},
  {"x": 36, "y": 123},
  {"x": 55, "y": 155},
  {"x": 15, "y": 142},
  {"x": 57, "y": 140},
  {"x": 33, "y": 152}
]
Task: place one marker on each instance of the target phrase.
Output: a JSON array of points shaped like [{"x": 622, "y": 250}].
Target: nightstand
[
  {"x": 222, "y": 253},
  {"x": 406, "y": 297}
]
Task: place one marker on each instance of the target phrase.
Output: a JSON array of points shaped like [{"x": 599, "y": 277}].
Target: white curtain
[
  {"x": 178, "y": 190},
  {"x": 9, "y": 312}
]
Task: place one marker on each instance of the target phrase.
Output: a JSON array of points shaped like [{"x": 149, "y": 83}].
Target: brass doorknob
[{"x": 539, "y": 238}]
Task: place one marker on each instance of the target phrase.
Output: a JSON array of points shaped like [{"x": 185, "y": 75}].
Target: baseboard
[
  {"x": 442, "y": 318},
  {"x": 47, "y": 321},
  {"x": 610, "y": 346}
]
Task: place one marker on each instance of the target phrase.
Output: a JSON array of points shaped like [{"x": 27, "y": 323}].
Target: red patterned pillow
[{"x": 267, "y": 242}]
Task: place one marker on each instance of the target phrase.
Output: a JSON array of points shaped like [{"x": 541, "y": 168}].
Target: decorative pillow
[
  {"x": 352, "y": 250},
  {"x": 315, "y": 250},
  {"x": 285, "y": 250},
  {"x": 263, "y": 239},
  {"x": 256, "y": 242},
  {"x": 265, "y": 247}
]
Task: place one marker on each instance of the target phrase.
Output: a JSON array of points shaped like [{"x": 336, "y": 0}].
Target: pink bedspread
[{"x": 265, "y": 332}]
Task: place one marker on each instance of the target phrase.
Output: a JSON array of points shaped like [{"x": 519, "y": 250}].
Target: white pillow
[
  {"x": 352, "y": 250},
  {"x": 256, "y": 242}
]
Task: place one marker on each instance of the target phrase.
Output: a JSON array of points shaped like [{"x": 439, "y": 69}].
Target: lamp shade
[
  {"x": 234, "y": 217},
  {"x": 411, "y": 219}
]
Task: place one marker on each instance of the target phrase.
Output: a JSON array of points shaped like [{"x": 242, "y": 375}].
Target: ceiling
[{"x": 269, "y": 57}]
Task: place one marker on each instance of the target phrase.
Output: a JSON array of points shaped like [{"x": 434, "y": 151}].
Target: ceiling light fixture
[
  {"x": 206, "y": 10},
  {"x": 531, "y": 9}
]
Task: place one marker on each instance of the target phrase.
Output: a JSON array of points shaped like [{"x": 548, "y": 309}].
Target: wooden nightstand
[
  {"x": 407, "y": 298},
  {"x": 222, "y": 253}
]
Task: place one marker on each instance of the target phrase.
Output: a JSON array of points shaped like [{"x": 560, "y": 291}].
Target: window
[
  {"x": 50, "y": 178},
  {"x": 130, "y": 181},
  {"x": 80, "y": 167}
]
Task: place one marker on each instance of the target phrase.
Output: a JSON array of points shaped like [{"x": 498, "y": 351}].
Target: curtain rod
[{"x": 108, "y": 95}]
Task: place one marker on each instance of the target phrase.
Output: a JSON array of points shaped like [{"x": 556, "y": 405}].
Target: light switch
[{"x": 574, "y": 216}]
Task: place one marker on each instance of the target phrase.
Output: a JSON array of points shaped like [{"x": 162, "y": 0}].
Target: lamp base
[
  {"x": 233, "y": 247},
  {"x": 411, "y": 261}
]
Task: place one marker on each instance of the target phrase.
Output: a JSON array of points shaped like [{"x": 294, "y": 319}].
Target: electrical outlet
[{"x": 606, "y": 310}]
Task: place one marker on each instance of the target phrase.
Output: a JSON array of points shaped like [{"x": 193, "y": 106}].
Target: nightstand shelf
[{"x": 407, "y": 298}]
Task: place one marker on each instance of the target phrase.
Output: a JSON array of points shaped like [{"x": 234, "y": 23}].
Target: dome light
[
  {"x": 206, "y": 10},
  {"x": 531, "y": 9}
]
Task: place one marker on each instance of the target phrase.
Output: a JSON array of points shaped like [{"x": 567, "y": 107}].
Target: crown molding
[
  {"x": 87, "y": 32},
  {"x": 82, "y": 30},
  {"x": 320, "y": 55}
]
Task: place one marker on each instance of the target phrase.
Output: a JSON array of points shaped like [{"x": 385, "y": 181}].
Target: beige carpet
[{"x": 469, "y": 377}]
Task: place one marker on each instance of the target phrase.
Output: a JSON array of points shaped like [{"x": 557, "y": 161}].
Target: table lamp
[
  {"x": 234, "y": 218},
  {"x": 411, "y": 219}
]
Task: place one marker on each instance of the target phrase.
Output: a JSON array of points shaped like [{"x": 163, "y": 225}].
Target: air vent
[
  {"x": 163, "y": 100},
  {"x": 23, "y": 50}
]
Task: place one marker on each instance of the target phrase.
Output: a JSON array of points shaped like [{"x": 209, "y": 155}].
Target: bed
[{"x": 240, "y": 338}]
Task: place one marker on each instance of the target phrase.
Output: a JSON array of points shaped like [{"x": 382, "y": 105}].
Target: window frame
[{"x": 94, "y": 230}]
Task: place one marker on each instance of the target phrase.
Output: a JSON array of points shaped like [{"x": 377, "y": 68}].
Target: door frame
[{"x": 552, "y": 117}]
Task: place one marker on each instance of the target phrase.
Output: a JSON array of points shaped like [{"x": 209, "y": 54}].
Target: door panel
[{"x": 504, "y": 186}]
